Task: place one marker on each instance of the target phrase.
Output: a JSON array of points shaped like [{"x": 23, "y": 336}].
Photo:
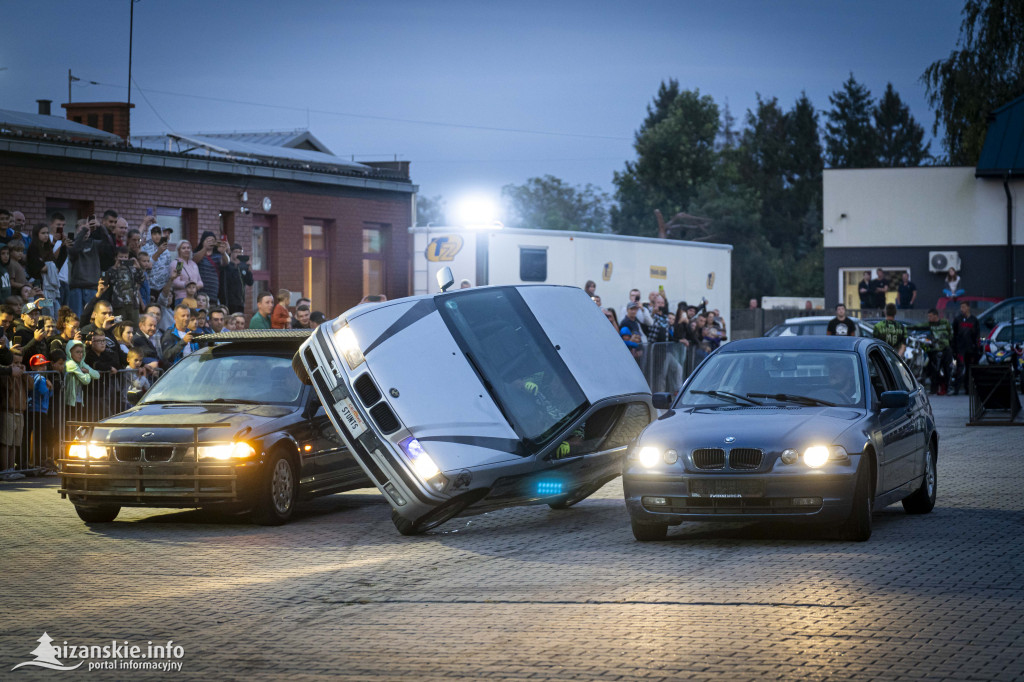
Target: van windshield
[{"x": 515, "y": 360}]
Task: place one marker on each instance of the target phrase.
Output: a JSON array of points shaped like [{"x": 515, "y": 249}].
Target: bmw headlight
[
  {"x": 87, "y": 451},
  {"x": 818, "y": 455},
  {"x": 348, "y": 344},
  {"x": 226, "y": 451},
  {"x": 423, "y": 465},
  {"x": 649, "y": 456}
]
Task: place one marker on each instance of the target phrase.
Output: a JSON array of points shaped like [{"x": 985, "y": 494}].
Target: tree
[
  {"x": 899, "y": 136},
  {"x": 548, "y": 203},
  {"x": 986, "y": 72},
  {"x": 675, "y": 150},
  {"x": 430, "y": 210},
  {"x": 850, "y": 140}
]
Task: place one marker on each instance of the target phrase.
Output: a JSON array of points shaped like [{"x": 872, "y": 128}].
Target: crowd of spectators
[{"x": 82, "y": 307}]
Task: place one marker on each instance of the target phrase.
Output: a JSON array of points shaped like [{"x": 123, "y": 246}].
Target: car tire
[
  {"x": 648, "y": 532},
  {"x": 432, "y": 519},
  {"x": 922, "y": 500},
  {"x": 857, "y": 526},
  {"x": 576, "y": 497},
  {"x": 100, "y": 514},
  {"x": 278, "y": 493}
]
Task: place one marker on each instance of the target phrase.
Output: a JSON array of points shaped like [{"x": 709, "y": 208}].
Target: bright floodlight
[{"x": 476, "y": 210}]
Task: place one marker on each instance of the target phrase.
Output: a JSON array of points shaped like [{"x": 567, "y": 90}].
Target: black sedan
[
  {"x": 815, "y": 429},
  {"x": 229, "y": 426}
]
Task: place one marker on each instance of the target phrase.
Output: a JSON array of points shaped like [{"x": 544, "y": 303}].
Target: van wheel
[
  {"x": 922, "y": 500},
  {"x": 857, "y": 526},
  {"x": 648, "y": 532},
  {"x": 102, "y": 514},
  {"x": 278, "y": 492}
]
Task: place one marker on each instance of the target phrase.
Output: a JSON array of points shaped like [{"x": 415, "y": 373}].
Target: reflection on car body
[
  {"x": 479, "y": 398},
  {"x": 815, "y": 429},
  {"x": 228, "y": 426}
]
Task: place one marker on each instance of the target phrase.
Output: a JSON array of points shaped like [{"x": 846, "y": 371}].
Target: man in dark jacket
[
  {"x": 177, "y": 341},
  {"x": 86, "y": 252},
  {"x": 940, "y": 355},
  {"x": 891, "y": 331},
  {"x": 237, "y": 276},
  {"x": 966, "y": 345}
]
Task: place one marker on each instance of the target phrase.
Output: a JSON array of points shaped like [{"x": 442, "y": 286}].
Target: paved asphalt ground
[{"x": 534, "y": 593}]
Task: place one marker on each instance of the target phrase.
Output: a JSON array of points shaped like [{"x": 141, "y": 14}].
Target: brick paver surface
[{"x": 531, "y": 593}]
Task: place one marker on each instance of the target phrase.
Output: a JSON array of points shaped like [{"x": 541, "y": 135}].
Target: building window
[
  {"x": 315, "y": 264},
  {"x": 259, "y": 247},
  {"x": 261, "y": 252},
  {"x": 375, "y": 247},
  {"x": 93, "y": 120},
  {"x": 171, "y": 218},
  {"x": 533, "y": 263},
  {"x": 108, "y": 122}
]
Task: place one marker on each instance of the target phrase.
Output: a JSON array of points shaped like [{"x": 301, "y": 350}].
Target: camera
[
  {"x": 243, "y": 258},
  {"x": 244, "y": 211}
]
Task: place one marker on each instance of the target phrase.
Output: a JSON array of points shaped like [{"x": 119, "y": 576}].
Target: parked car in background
[
  {"x": 815, "y": 325},
  {"x": 1002, "y": 312},
  {"x": 1002, "y": 337},
  {"x": 950, "y": 307},
  {"x": 809, "y": 429},
  {"x": 229, "y": 426},
  {"x": 479, "y": 398}
]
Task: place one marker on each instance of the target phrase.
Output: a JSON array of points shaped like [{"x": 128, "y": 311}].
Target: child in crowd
[
  {"x": 138, "y": 379},
  {"x": 40, "y": 442},
  {"x": 77, "y": 375},
  {"x": 280, "y": 318}
]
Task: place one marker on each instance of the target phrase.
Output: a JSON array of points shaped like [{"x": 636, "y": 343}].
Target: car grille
[
  {"x": 366, "y": 389},
  {"x": 709, "y": 458},
  {"x": 386, "y": 420},
  {"x": 735, "y": 506},
  {"x": 745, "y": 458},
  {"x": 133, "y": 453}
]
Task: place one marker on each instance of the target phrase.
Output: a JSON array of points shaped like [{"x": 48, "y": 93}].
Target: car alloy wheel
[
  {"x": 282, "y": 486},
  {"x": 278, "y": 491},
  {"x": 922, "y": 500}
]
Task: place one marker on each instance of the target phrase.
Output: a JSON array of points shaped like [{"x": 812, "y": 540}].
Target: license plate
[
  {"x": 726, "y": 488},
  {"x": 353, "y": 421}
]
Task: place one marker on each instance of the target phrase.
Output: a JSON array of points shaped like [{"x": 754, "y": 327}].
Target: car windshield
[
  {"x": 228, "y": 376},
  {"x": 770, "y": 377},
  {"x": 515, "y": 360}
]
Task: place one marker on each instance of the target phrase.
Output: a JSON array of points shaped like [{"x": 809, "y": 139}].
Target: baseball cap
[
  {"x": 631, "y": 305},
  {"x": 625, "y": 331},
  {"x": 30, "y": 307},
  {"x": 37, "y": 360}
]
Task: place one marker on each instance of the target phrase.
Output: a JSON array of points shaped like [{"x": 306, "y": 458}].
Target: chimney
[
  {"x": 112, "y": 117},
  {"x": 44, "y": 106}
]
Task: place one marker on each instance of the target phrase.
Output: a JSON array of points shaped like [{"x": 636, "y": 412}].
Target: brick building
[{"x": 312, "y": 222}]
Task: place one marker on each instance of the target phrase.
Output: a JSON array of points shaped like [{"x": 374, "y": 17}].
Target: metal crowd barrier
[
  {"x": 43, "y": 421},
  {"x": 667, "y": 364}
]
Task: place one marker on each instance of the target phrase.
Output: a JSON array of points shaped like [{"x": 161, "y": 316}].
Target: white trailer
[{"x": 688, "y": 271}]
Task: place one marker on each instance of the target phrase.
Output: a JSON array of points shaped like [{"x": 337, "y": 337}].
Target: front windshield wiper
[
  {"x": 790, "y": 398},
  {"x": 729, "y": 397}
]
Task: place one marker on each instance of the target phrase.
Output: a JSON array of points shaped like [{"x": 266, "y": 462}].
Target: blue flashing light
[{"x": 549, "y": 488}]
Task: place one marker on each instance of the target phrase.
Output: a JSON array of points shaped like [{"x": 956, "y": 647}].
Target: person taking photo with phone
[
  {"x": 159, "y": 253},
  {"x": 210, "y": 255},
  {"x": 185, "y": 270},
  {"x": 237, "y": 276}
]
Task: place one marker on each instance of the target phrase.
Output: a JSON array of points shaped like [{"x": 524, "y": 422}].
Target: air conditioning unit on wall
[{"x": 941, "y": 261}]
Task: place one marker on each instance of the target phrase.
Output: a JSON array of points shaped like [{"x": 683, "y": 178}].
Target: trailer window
[
  {"x": 533, "y": 264},
  {"x": 521, "y": 370}
]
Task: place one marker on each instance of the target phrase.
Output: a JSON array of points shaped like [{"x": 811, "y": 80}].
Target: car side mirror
[
  {"x": 134, "y": 397},
  {"x": 445, "y": 278},
  {"x": 988, "y": 322},
  {"x": 894, "y": 399},
  {"x": 661, "y": 401}
]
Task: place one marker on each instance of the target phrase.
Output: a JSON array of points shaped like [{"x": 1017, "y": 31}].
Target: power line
[
  {"x": 143, "y": 93},
  {"x": 372, "y": 117}
]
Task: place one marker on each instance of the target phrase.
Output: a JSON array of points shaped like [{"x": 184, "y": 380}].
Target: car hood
[
  {"x": 768, "y": 428},
  {"x": 172, "y": 423}
]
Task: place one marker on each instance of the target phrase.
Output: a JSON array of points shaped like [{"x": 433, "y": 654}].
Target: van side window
[{"x": 533, "y": 264}]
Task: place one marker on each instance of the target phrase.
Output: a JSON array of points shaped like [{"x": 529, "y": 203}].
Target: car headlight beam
[
  {"x": 816, "y": 456},
  {"x": 421, "y": 462},
  {"x": 87, "y": 451},
  {"x": 226, "y": 451},
  {"x": 649, "y": 456},
  {"x": 348, "y": 344}
]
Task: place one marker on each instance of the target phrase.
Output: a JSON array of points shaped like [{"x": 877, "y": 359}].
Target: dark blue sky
[{"x": 584, "y": 70}]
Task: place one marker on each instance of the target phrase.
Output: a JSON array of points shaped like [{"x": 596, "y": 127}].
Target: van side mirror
[
  {"x": 445, "y": 278},
  {"x": 894, "y": 399},
  {"x": 661, "y": 401}
]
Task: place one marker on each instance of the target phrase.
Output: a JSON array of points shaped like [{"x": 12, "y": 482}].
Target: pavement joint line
[{"x": 588, "y": 602}]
